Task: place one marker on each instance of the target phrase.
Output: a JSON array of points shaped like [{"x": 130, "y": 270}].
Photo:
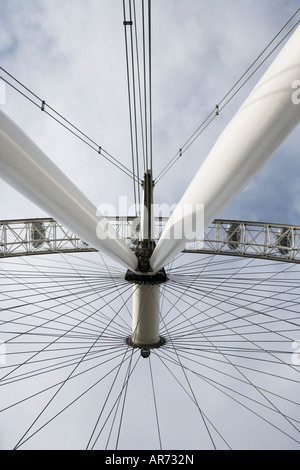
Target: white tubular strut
[
  {"x": 262, "y": 123},
  {"x": 25, "y": 167}
]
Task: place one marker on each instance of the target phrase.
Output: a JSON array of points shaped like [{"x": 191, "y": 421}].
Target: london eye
[{"x": 173, "y": 321}]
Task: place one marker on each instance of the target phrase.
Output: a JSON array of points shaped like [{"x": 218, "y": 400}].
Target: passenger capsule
[{"x": 233, "y": 232}]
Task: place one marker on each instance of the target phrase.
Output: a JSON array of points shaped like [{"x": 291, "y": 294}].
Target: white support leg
[{"x": 145, "y": 315}]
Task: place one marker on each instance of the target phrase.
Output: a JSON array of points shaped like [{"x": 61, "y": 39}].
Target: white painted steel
[
  {"x": 262, "y": 123},
  {"x": 145, "y": 315},
  {"x": 25, "y": 167}
]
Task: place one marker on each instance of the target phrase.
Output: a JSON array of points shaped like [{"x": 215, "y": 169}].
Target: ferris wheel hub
[
  {"x": 145, "y": 347},
  {"x": 146, "y": 278},
  {"x": 146, "y": 283}
]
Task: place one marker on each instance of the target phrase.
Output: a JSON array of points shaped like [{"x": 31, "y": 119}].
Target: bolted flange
[{"x": 158, "y": 278}]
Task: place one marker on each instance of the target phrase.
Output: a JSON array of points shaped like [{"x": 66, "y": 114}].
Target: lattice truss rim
[{"x": 270, "y": 241}]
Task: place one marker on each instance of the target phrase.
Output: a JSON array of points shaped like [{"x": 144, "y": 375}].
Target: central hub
[
  {"x": 146, "y": 311},
  {"x": 145, "y": 283},
  {"x": 135, "y": 278},
  {"x": 146, "y": 347},
  {"x": 143, "y": 253}
]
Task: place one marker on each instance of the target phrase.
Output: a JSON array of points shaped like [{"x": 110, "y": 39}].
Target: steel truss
[{"x": 226, "y": 237}]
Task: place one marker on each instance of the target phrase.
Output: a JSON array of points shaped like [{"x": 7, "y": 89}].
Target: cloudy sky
[
  {"x": 74, "y": 58},
  {"x": 72, "y": 54}
]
